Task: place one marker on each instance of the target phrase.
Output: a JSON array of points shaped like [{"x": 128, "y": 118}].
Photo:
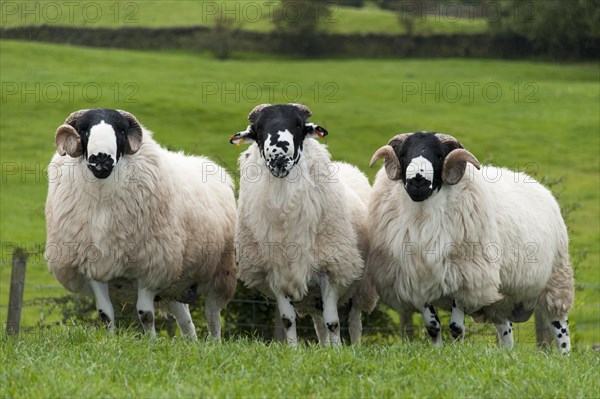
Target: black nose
[
  {"x": 419, "y": 181},
  {"x": 101, "y": 165},
  {"x": 280, "y": 162}
]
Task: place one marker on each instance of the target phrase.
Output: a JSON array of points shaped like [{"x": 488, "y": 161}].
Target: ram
[
  {"x": 121, "y": 209},
  {"x": 301, "y": 230},
  {"x": 444, "y": 228}
]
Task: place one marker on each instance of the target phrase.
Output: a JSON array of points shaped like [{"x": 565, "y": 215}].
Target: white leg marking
[
  {"x": 355, "y": 325},
  {"x": 457, "y": 322},
  {"x": 212, "y": 312},
  {"x": 330, "y": 295},
  {"x": 560, "y": 329},
  {"x": 181, "y": 311},
  {"x": 432, "y": 323},
  {"x": 103, "y": 304},
  {"x": 505, "y": 335},
  {"x": 320, "y": 328},
  {"x": 145, "y": 309},
  {"x": 288, "y": 318}
]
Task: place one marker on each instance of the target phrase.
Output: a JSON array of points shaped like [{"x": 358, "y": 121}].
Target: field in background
[
  {"x": 537, "y": 117},
  {"x": 75, "y": 361},
  {"x": 254, "y": 15}
]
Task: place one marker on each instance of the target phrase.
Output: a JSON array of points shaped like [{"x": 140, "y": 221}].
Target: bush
[{"x": 554, "y": 26}]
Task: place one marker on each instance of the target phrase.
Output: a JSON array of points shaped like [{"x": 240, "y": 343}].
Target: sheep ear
[
  {"x": 247, "y": 136},
  {"x": 455, "y": 165},
  {"x": 392, "y": 164},
  {"x": 68, "y": 141},
  {"x": 315, "y": 131},
  {"x": 134, "y": 134}
]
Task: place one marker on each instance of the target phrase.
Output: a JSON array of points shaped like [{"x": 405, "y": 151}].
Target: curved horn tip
[{"x": 383, "y": 152}]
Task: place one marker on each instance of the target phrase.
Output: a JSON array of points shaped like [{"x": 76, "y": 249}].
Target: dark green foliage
[
  {"x": 298, "y": 24},
  {"x": 557, "y": 26},
  {"x": 349, "y": 3}
]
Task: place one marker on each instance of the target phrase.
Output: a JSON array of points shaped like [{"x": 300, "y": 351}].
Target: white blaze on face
[
  {"x": 102, "y": 139},
  {"x": 420, "y": 166}
]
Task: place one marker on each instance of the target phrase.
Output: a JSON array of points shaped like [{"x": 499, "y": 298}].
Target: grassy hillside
[
  {"x": 533, "y": 116},
  {"x": 80, "y": 362},
  {"x": 248, "y": 14}
]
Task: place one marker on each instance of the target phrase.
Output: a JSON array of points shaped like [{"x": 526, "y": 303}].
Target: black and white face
[
  {"x": 421, "y": 158},
  {"x": 101, "y": 136},
  {"x": 280, "y": 131},
  {"x": 424, "y": 161}
]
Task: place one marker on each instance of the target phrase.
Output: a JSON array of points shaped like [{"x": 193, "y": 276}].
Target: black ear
[
  {"x": 314, "y": 131},
  {"x": 247, "y": 136}
]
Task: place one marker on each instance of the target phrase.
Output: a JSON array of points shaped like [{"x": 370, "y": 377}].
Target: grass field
[
  {"x": 254, "y": 15},
  {"x": 524, "y": 115},
  {"x": 75, "y": 361}
]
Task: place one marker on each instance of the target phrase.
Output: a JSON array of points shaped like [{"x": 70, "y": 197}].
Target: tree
[
  {"x": 300, "y": 22},
  {"x": 557, "y": 26}
]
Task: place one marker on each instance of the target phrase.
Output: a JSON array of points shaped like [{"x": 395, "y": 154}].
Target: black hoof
[{"x": 455, "y": 330}]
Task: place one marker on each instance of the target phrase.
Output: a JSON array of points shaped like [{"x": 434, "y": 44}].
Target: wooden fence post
[{"x": 17, "y": 283}]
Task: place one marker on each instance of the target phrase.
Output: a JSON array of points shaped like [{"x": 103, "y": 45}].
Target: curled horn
[
  {"x": 304, "y": 109},
  {"x": 392, "y": 164},
  {"x": 455, "y": 163},
  {"x": 71, "y": 119},
  {"x": 67, "y": 139},
  {"x": 254, "y": 113},
  {"x": 134, "y": 135}
]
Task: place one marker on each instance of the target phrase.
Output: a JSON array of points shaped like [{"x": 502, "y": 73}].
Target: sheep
[
  {"x": 301, "y": 229},
  {"x": 487, "y": 240},
  {"x": 121, "y": 209}
]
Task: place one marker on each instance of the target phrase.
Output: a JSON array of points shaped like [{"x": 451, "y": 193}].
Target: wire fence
[{"x": 46, "y": 305}]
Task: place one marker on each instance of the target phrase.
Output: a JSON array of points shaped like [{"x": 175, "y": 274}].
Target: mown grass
[
  {"x": 77, "y": 361},
  {"x": 253, "y": 15},
  {"x": 549, "y": 126}
]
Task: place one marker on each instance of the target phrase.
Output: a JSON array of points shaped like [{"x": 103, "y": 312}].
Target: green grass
[
  {"x": 360, "y": 102},
  {"x": 75, "y": 361},
  {"x": 248, "y": 14}
]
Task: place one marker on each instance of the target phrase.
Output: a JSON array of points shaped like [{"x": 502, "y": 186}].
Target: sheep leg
[
  {"x": 320, "y": 328},
  {"x": 212, "y": 313},
  {"x": 145, "y": 309},
  {"x": 330, "y": 295},
  {"x": 560, "y": 328},
  {"x": 103, "y": 304},
  {"x": 288, "y": 318},
  {"x": 355, "y": 325},
  {"x": 181, "y": 311},
  {"x": 457, "y": 322},
  {"x": 407, "y": 327},
  {"x": 505, "y": 335},
  {"x": 432, "y": 323}
]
